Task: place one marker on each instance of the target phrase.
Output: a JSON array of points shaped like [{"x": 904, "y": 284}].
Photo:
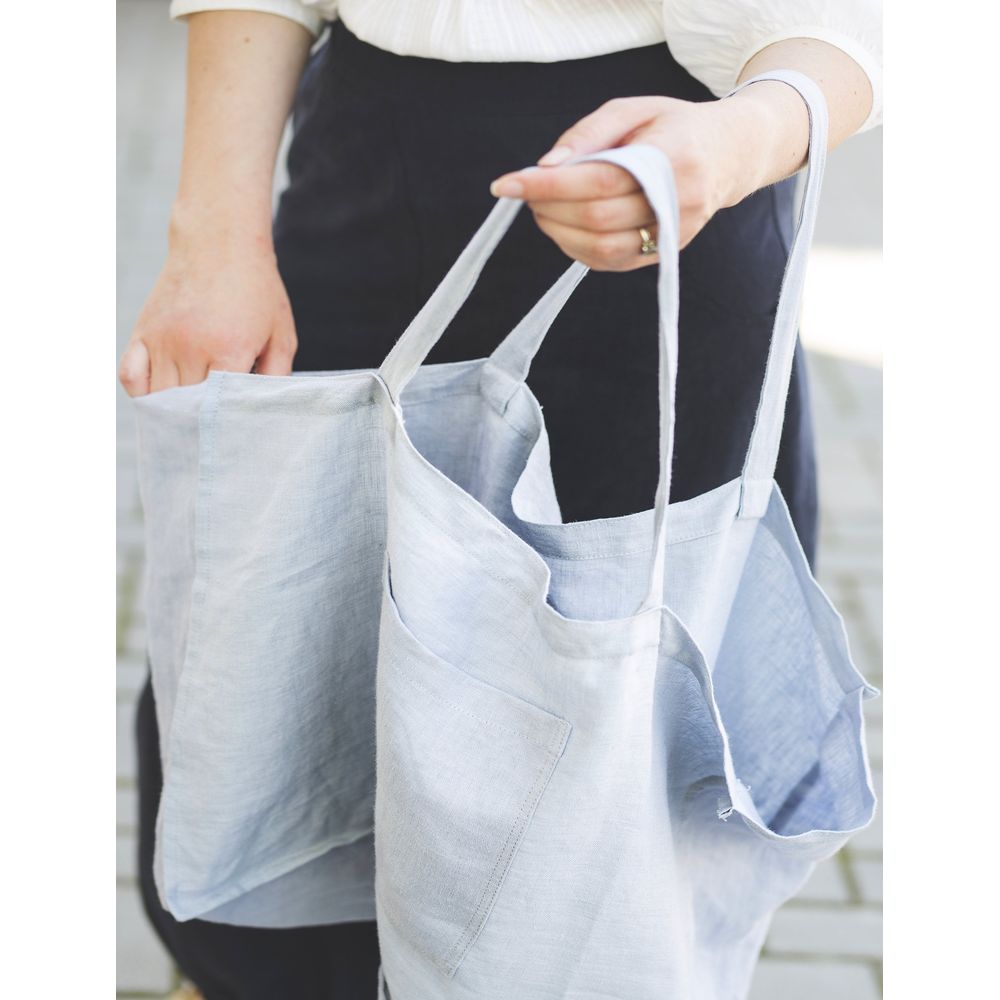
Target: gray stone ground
[{"x": 826, "y": 943}]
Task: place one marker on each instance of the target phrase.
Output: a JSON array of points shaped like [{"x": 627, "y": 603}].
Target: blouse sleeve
[
  {"x": 714, "y": 39},
  {"x": 312, "y": 14}
]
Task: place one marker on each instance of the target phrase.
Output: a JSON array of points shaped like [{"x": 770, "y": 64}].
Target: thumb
[
  {"x": 133, "y": 369},
  {"x": 606, "y": 127}
]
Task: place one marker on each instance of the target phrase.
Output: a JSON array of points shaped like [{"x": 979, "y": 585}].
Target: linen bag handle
[
  {"x": 652, "y": 170},
  {"x": 516, "y": 352},
  {"x": 427, "y": 327},
  {"x": 756, "y": 482}
]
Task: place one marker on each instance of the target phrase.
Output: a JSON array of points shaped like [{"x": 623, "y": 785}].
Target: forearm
[
  {"x": 242, "y": 71},
  {"x": 776, "y": 123}
]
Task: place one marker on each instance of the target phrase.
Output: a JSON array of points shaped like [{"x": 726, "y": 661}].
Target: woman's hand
[
  {"x": 720, "y": 152},
  {"x": 219, "y": 301},
  {"x": 211, "y": 308}
]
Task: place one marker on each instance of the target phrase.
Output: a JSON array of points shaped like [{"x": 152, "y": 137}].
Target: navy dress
[{"x": 389, "y": 177}]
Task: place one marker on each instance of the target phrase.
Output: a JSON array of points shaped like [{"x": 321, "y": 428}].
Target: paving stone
[
  {"x": 130, "y": 674},
  {"x": 857, "y": 527},
  {"x": 127, "y": 809},
  {"x": 872, "y": 708},
  {"x": 134, "y": 640},
  {"x": 857, "y": 555},
  {"x": 151, "y": 95},
  {"x": 873, "y": 740},
  {"x": 827, "y": 408},
  {"x": 849, "y": 931},
  {"x": 838, "y": 590},
  {"x": 130, "y": 532},
  {"x": 870, "y": 838},
  {"x": 834, "y": 396},
  {"x": 142, "y": 964},
  {"x": 826, "y": 884},
  {"x": 864, "y": 643},
  {"x": 126, "y": 484},
  {"x": 870, "y": 452},
  {"x": 126, "y": 439},
  {"x": 877, "y": 780},
  {"x": 127, "y": 449},
  {"x": 125, "y": 743},
  {"x": 778, "y": 979},
  {"x": 125, "y": 562},
  {"x": 845, "y": 482},
  {"x": 125, "y": 856},
  {"x": 854, "y": 383},
  {"x": 868, "y": 875},
  {"x": 866, "y": 658},
  {"x": 862, "y": 625},
  {"x": 871, "y": 602}
]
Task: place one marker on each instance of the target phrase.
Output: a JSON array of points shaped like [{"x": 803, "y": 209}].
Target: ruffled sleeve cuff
[
  {"x": 305, "y": 14},
  {"x": 714, "y": 39}
]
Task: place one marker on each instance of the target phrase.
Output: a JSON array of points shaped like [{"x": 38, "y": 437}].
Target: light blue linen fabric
[{"x": 591, "y": 759}]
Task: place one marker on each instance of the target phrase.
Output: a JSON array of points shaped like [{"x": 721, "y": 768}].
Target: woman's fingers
[
  {"x": 163, "y": 374},
  {"x": 191, "y": 370},
  {"x": 133, "y": 369},
  {"x": 579, "y": 182},
  {"x": 602, "y": 251},
  {"x": 610, "y": 125},
  {"x": 276, "y": 358},
  {"x": 592, "y": 210},
  {"x": 601, "y": 215},
  {"x": 140, "y": 374},
  {"x": 279, "y": 351}
]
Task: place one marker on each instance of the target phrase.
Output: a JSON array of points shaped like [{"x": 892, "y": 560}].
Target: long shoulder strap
[{"x": 762, "y": 455}]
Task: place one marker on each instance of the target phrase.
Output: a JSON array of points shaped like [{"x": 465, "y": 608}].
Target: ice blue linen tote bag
[{"x": 591, "y": 758}]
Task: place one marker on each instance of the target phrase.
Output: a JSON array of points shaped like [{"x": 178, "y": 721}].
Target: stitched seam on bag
[
  {"x": 566, "y": 558},
  {"x": 492, "y": 724},
  {"x": 776, "y": 812},
  {"x": 504, "y": 413},
  {"x": 219, "y": 894},
  {"x": 522, "y": 593},
  {"x": 552, "y": 751},
  {"x": 619, "y": 553},
  {"x": 531, "y": 440},
  {"x": 474, "y": 395},
  {"x": 443, "y": 526},
  {"x": 207, "y": 418},
  {"x": 433, "y": 397},
  {"x": 228, "y": 890},
  {"x": 498, "y": 875},
  {"x": 321, "y": 410},
  {"x": 841, "y": 638}
]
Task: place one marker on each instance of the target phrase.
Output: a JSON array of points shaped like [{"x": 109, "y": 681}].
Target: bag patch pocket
[{"x": 461, "y": 768}]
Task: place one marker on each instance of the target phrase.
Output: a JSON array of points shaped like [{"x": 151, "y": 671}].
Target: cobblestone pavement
[{"x": 826, "y": 943}]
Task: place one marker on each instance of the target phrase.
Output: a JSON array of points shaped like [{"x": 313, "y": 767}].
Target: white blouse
[{"x": 712, "y": 39}]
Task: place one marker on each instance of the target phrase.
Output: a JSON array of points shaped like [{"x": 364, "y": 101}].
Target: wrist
[
  {"x": 769, "y": 126},
  {"x": 220, "y": 224}
]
